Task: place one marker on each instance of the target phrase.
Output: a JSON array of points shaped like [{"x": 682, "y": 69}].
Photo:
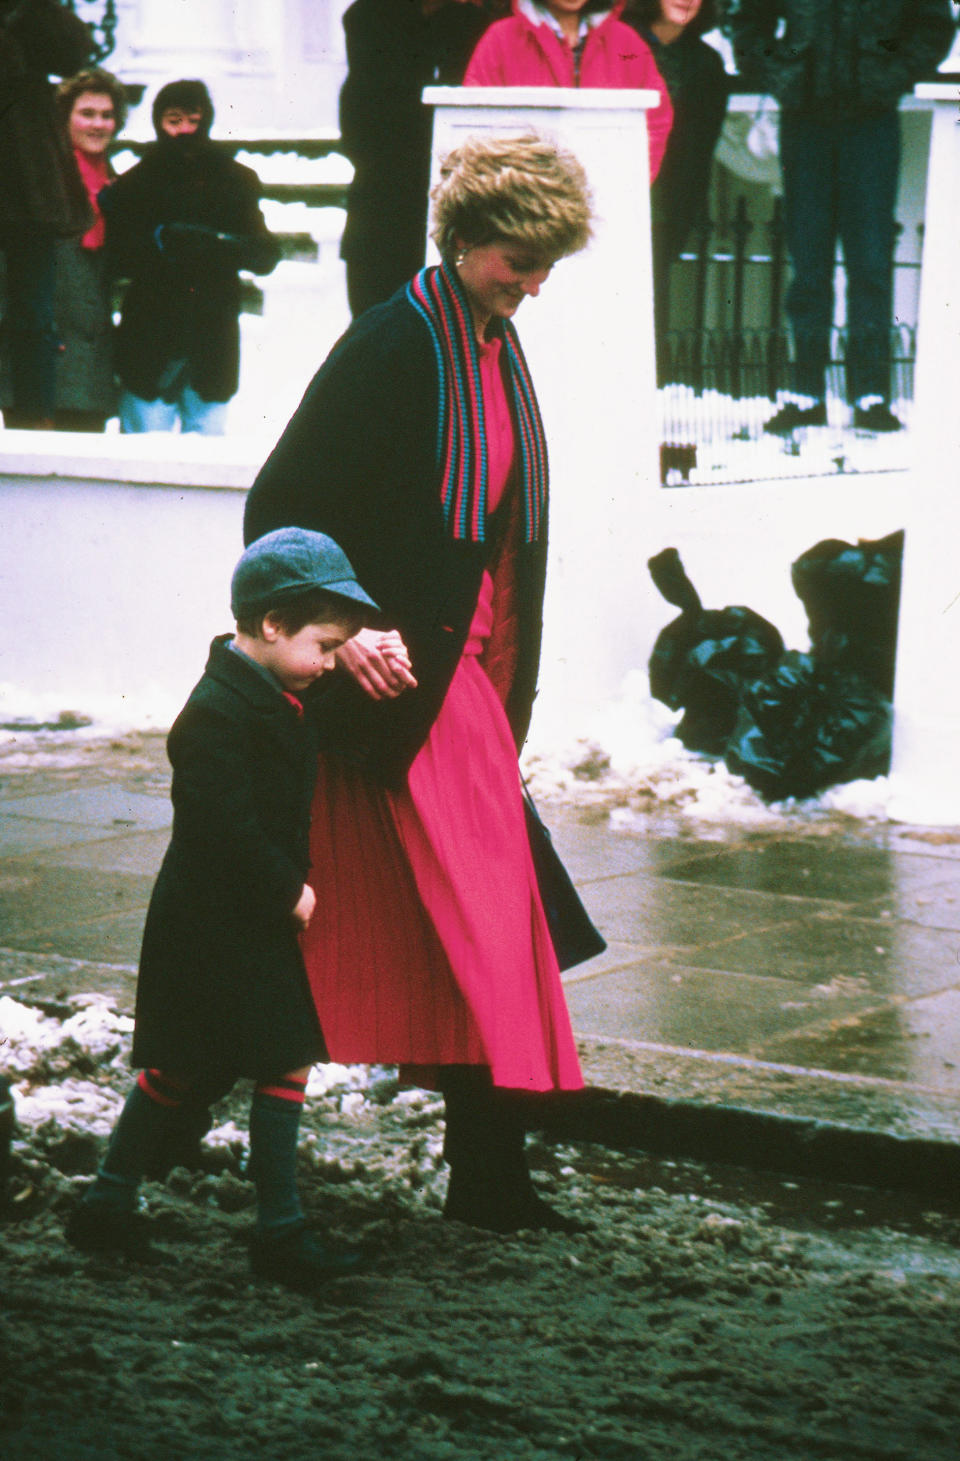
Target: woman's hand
[{"x": 379, "y": 663}]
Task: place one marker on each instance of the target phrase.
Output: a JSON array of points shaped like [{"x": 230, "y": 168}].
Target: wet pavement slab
[{"x": 803, "y": 982}]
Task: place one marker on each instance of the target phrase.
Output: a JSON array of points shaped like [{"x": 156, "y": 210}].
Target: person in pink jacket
[{"x": 572, "y": 43}]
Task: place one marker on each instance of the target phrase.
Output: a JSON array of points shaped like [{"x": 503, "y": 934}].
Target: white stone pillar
[
  {"x": 589, "y": 342},
  {"x": 926, "y": 746}
]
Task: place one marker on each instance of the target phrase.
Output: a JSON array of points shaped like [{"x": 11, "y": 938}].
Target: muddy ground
[{"x": 708, "y": 1314}]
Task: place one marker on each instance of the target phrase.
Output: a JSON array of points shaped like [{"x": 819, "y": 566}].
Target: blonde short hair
[{"x": 523, "y": 189}]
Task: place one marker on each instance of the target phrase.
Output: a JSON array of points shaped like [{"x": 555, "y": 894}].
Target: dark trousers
[
  {"x": 28, "y": 324},
  {"x": 840, "y": 181}
]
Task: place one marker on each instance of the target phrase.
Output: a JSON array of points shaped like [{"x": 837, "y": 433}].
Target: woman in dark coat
[
  {"x": 419, "y": 447},
  {"x": 92, "y": 107},
  {"x": 41, "y": 195}
]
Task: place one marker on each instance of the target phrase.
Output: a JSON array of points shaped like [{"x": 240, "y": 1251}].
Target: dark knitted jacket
[
  {"x": 838, "y": 58},
  {"x": 359, "y": 461}
]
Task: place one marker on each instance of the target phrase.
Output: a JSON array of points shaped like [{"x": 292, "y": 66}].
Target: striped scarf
[{"x": 438, "y": 297}]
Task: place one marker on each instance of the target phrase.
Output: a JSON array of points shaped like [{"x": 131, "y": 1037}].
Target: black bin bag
[
  {"x": 701, "y": 660},
  {"x": 851, "y": 592},
  {"x": 805, "y": 726}
]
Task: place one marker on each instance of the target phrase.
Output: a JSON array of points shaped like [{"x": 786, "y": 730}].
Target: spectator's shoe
[
  {"x": 296, "y": 1259},
  {"x": 94, "y": 1228},
  {"x": 792, "y": 417},
  {"x": 877, "y": 417}
]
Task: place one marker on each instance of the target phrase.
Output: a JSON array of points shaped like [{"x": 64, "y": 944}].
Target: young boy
[{"x": 222, "y": 990}]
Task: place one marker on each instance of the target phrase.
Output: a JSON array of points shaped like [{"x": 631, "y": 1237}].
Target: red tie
[{"x": 292, "y": 699}]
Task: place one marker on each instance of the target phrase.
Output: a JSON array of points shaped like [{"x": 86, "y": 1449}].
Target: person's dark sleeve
[
  {"x": 192, "y": 245},
  {"x": 925, "y": 39},
  {"x": 216, "y": 820},
  {"x": 52, "y": 39},
  {"x": 246, "y": 242}
]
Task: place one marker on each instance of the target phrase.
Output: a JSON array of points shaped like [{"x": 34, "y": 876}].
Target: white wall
[{"x": 114, "y": 573}]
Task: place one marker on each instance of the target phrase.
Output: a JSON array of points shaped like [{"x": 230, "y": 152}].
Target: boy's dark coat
[{"x": 222, "y": 984}]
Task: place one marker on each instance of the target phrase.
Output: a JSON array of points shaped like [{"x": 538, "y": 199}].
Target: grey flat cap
[{"x": 289, "y": 562}]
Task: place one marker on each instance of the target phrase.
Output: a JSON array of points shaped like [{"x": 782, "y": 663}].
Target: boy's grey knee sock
[
  {"x": 142, "y": 1125},
  {"x": 274, "y": 1132}
]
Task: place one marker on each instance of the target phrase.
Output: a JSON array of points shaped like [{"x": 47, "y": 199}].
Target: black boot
[{"x": 484, "y": 1145}]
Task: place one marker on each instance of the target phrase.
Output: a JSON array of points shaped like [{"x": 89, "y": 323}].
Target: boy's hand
[
  {"x": 303, "y": 912},
  {"x": 379, "y": 663}
]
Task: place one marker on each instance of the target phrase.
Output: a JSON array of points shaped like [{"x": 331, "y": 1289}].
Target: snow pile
[
  {"x": 62, "y": 1064},
  {"x": 632, "y": 765}
]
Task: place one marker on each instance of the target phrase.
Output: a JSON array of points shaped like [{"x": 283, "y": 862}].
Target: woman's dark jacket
[
  {"x": 222, "y": 985},
  {"x": 838, "y": 58},
  {"x": 83, "y": 322},
  {"x": 40, "y": 188},
  {"x": 359, "y": 461},
  {"x": 183, "y": 299}
]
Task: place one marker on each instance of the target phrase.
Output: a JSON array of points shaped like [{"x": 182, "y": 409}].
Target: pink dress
[{"x": 429, "y": 945}]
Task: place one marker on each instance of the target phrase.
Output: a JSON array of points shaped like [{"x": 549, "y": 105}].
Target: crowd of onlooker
[{"x": 163, "y": 244}]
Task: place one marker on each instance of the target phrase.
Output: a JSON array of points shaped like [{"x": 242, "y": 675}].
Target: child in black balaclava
[{"x": 180, "y": 225}]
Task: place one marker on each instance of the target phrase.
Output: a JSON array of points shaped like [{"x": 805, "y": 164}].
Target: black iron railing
[{"x": 722, "y": 321}]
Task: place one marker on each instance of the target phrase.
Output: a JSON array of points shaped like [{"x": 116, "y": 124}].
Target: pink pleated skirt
[{"x": 429, "y": 944}]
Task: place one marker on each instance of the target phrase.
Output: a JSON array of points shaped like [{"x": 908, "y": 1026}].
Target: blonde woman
[{"x": 419, "y": 446}]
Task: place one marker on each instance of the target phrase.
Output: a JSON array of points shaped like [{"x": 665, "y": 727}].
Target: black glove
[{"x": 194, "y": 243}]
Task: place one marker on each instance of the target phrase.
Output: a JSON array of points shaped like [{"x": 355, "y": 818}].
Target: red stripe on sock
[
  {"x": 161, "y": 1088},
  {"x": 284, "y": 1090}
]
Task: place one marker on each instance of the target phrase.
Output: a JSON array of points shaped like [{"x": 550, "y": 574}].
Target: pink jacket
[{"x": 520, "y": 52}]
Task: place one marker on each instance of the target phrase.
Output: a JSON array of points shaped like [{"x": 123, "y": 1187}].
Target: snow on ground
[
  {"x": 629, "y": 764},
  {"x": 705, "y": 1313}
]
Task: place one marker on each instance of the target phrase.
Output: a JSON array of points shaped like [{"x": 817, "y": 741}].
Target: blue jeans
[
  {"x": 192, "y": 411},
  {"x": 840, "y": 181}
]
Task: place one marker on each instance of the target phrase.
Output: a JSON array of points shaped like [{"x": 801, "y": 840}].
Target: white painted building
[{"x": 274, "y": 67}]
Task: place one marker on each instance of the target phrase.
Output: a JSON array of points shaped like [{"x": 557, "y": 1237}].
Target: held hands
[
  {"x": 379, "y": 663},
  {"x": 303, "y": 911}
]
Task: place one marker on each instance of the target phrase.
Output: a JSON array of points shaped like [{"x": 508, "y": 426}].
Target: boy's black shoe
[
  {"x": 94, "y": 1228},
  {"x": 791, "y": 417},
  {"x": 295, "y": 1258},
  {"x": 877, "y": 417}
]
